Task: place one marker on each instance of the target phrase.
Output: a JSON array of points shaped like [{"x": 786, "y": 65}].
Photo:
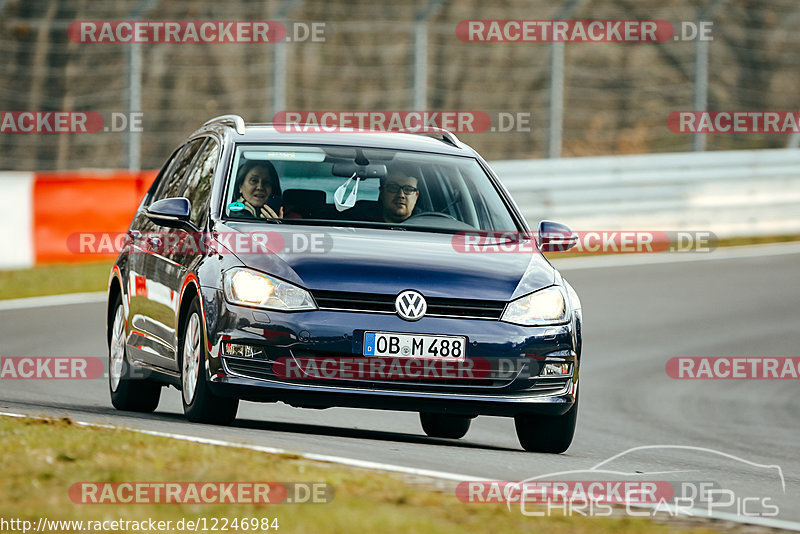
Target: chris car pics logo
[{"x": 684, "y": 481}]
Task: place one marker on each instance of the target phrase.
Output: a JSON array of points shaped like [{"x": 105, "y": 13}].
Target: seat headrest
[{"x": 309, "y": 197}]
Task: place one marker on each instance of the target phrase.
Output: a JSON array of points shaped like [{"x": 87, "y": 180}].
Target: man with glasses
[{"x": 398, "y": 196}]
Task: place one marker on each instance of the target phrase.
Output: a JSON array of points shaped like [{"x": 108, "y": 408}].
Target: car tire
[
  {"x": 200, "y": 404},
  {"x": 547, "y": 433},
  {"x": 127, "y": 393},
  {"x": 438, "y": 425}
]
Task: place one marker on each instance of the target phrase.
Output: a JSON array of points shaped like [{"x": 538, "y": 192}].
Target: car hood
[{"x": 385, "y": 261}]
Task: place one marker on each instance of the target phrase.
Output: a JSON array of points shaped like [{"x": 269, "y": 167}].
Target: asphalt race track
[{"x": 636, "y": 318}]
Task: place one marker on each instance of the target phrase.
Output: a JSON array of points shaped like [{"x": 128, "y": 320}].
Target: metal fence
[
  {"x": 731, "y": 193},
  {"x": 587, "y": 98}
]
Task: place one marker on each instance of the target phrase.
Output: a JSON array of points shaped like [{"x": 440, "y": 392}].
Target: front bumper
[{"x": 335, "y": 334}]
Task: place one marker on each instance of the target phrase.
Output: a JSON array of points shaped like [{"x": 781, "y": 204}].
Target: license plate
[{"x": 414, "y": 345}]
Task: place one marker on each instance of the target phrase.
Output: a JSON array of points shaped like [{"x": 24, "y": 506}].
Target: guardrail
[{"x": 732, "y": 193}]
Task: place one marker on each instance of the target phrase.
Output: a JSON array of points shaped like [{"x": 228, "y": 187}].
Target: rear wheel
[
  {"x": 438, "y": 425},
  {"x": 127, "y": 393},
  {"x": 200, "y": 404},
  {"x": 547, "y": 433}
]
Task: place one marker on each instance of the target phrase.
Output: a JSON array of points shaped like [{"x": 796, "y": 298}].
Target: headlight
[
  {"x": 544, "y": 307},
  {"x": 251, "y": 288}
]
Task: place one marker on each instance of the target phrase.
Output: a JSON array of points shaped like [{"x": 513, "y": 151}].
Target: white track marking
[
  {"x": 53, "y": 300},
  {"x": 633, "y": 260}
]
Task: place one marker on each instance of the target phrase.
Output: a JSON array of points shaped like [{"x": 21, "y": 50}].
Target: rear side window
[
  {"x": 171, "y": 183},
  {"x": 198, "y": 184}
]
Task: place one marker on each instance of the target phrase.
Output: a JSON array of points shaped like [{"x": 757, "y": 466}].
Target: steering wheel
[{"x": 431, "y": 214}]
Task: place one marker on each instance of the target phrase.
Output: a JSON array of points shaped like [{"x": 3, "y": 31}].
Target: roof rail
[
  {"x": 446, "y": 135},
  {"x": 234, "y": 120}
]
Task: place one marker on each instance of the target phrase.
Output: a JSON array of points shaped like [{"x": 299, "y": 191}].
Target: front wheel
[
  {"x": 127, "y": 393},
  {"x": 547, "y": 433},
  {"x": 200, "y": 405},
  {"x": 438, "y": 425}
]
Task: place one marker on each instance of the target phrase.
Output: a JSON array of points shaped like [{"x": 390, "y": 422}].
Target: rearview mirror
[
  {"x": 556, "y": 237},
  {"x": 172, "y": 213},
  {"x": 347, "y": 169}
]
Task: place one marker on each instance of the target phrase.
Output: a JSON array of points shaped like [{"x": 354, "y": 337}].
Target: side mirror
[
  {"x": 556, "y": 237},
  {"x": 172, "y": 213}
]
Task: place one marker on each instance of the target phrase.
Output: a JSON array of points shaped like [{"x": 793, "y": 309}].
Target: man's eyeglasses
[{"x": 394, "y": 188}]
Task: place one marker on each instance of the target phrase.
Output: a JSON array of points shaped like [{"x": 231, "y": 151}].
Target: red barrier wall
[{"x": 82, "y": 201}]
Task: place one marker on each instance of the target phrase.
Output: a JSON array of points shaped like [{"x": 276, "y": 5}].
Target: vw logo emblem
[{"x": 410, "y": 305}]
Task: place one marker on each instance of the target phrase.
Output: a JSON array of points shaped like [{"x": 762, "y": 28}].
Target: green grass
[
  {"x": 54, "y": 280},
  {"x": 50, "y": 455},
  {"x": 760, "y": 240}
]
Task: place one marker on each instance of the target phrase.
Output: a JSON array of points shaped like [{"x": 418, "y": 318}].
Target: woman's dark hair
[{"x": 251, "y": 164}]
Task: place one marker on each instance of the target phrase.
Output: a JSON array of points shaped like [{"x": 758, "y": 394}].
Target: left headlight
[
  {"x": 544, "y": 307},
  {"x": 251, "y": 288}
]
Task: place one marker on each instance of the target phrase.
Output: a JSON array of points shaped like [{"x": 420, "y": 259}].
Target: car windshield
[{"x": 354, "y": 186}]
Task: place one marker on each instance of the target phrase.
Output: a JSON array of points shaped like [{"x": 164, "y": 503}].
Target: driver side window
[
  {"x": 171, "y": 183},
  {"x": 198, "y": 184}
]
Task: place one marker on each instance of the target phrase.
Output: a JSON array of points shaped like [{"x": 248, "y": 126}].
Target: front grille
[{"x": 437, "y": 307}]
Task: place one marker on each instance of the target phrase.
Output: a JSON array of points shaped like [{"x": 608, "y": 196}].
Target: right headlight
[
  {"x": 544, "y": 307},
  {"x": 252, "y": 288}
]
